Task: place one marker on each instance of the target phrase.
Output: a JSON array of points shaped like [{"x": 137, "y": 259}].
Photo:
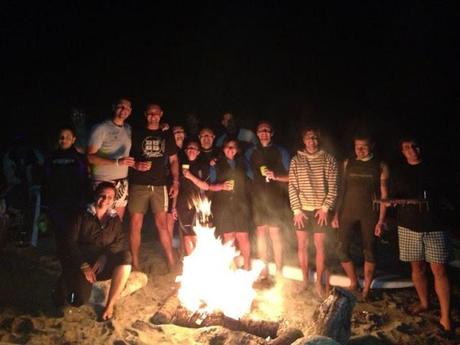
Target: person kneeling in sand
[{"x": 96, "y": 251}]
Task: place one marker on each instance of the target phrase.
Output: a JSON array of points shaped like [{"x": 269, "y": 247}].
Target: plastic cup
[
  {"x": 185, "y": 166},
  {"x": 263, "y": 170},
  {"x": 232, "y": 184}
]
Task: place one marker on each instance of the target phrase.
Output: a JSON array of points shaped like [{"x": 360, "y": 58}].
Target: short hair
[
  {"x": 364, "y": 136},
  {"x": 311, "y": 129},
  {"x": 265, "y": 122},
  {"x": 408, "y": 139},
  {"x": 119, "y": 100},
  {"x": 207, "y": 129},
  {"x": 153, "y": 105},
  {"x": 67, "y": 127},
  {"x": 104, "y": 185},
  {"x": 228, "y": 139},
  {"x": 178, "y": 126},
  {"x": 192, "y": 141}
]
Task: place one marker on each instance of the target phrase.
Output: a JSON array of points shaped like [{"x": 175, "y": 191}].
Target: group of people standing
[{"x": 250, "y": 181}]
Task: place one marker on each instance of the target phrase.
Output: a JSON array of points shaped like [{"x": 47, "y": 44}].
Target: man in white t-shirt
[{"x": 108, "y": 152}]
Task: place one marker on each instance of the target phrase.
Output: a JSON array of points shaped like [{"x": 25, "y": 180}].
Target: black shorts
[
  {"x": 76, "y": 282},
  {"x": 310, "y": 224}
]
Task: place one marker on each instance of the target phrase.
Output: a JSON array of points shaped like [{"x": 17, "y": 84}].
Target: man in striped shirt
[{"x": 312, "y": 194}]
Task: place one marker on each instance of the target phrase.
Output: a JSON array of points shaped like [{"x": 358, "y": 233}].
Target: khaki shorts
[{"x": 141, "y": 197}]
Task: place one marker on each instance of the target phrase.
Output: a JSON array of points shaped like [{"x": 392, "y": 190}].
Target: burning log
[
  {"x": 333, "y": 316},
  {"x": 167, "y": 311},
  {"x": 172, "y": 312},
  {"x": 263, "y": 329}
]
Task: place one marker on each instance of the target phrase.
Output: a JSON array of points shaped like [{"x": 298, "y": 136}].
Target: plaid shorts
[{"x": 431, "y": 247}]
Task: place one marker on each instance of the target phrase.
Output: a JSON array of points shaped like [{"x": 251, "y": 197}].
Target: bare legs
[
  {"x": 242, "y": 239},
  {"x": 302, "y": 247},
  {"x": 165, "y": 237},
  {"x": 369, "y": 269},
  {"x": 119, "y": 277},
  {"x": 441, "y": 286},
  {"x": 189, "y": 244},
  {"x": 319, "y": 238},
  {"x": 262, "y": 253},
  {"x": 121, "y": 212},
  {"x": 350, "y": 271},
  {"x": 302, "y": 253},
  {"x": 135, "y": 226}
]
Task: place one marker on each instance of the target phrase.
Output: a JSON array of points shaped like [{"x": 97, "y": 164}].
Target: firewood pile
[{"x": 331, "y": 319}]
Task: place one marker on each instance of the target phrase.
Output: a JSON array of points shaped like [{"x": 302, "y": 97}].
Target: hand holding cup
[{"x": 229, "y": 185}]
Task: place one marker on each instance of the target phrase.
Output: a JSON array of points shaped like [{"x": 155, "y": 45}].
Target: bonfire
[{"x": 211, "y": 280}]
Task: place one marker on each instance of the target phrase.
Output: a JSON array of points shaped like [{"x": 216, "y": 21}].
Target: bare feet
[
  {"x": 365, "y": 295},
  {"x": 319, "y": 291},
  {"x": 416, "y": 309},
  {"x": 108, "y": 312}
]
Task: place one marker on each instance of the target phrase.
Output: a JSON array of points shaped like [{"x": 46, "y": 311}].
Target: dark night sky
[{"x": 388, "y": 65}]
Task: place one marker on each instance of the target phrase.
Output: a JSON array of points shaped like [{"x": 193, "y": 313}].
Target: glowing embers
[{"x": 210, "y": 281}]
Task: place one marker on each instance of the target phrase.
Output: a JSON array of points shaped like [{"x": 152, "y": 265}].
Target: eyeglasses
[
  {"x": 192, "y": 148},
  {"x": 231, "y": 147},
  {"x": 264, "y": 131}
]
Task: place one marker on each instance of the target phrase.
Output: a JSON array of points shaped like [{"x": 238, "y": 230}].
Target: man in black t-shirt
[
  {"x": 154, "y": 151},
  {"x": 422, "y": 237}
]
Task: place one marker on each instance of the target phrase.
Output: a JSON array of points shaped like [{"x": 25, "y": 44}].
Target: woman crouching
[{"x": 96, "y": 251}]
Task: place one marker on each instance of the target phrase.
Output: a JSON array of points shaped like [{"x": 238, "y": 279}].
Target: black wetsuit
[
  {"x": 188, "y": 192},
  {"x": 268, "y": 198},
  {"x": 231, "y": 208},
  {"x": 361, "y": 185}
]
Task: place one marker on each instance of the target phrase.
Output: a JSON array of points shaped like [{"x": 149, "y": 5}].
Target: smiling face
[
  {"x": 153, "y": 115},
  {"x": 179, "y": 135},
  {"x": 411, "y": 151},
  {"x": 230, "y": 149},
  {"x": 66, "y": 139},
  {"x": 192, "y": 151},
  {"x": 206, "y": 138},
  {"x": 122, "y": 110},
  {"x": 363, "y": 148},
  {"x": 105, "y": 198},
  {"x": 264, "y": 132},
  {"x": 311, "y": 141}
]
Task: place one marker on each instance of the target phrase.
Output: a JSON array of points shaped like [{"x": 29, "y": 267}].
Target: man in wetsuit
[
  {"x": 364, "y": 179},
  {"x": 269, "y": 166}
]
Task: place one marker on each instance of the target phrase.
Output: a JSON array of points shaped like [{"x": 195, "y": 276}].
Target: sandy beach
[{"x": 27, "y": 315}]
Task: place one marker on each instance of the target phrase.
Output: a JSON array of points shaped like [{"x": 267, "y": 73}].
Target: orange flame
[{"x": 210, "y": 281}]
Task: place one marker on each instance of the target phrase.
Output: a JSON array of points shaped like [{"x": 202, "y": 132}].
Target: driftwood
[
  {"x": 287, "y": 337},
  {"x": 167, "y": 311},
  {"x": 172, "y": 312},
  {"x": 332, "y": 318}
]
